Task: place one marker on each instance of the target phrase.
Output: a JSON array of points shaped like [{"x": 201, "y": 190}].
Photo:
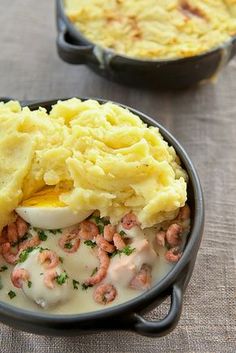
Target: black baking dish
[
  {"x": 74, "y": 48},
  {"x": 129, "y": 315}
]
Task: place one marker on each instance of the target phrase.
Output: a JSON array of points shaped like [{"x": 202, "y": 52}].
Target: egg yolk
[{"x": 47, "y": 197}]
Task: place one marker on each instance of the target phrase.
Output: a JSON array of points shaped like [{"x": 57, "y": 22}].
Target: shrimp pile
[
  {"x": 12, "y": 241},
  {"x": 172, "y": 236}
]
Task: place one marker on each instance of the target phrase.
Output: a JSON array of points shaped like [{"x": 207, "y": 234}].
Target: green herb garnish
[
  {"x": 86, "y": 286},
  {"x": 61, "y": 259},
  {"x": 75, "y": 284},
  {"x": 11, "y": 294},
  {"x": 68, "y": 246},
  {"x": 55, "y": 231},
  {"x": 60, "y": 279},
  {"x": 101, "y": 222},
  {"x": 3, "y": 268},
  {"x": 90, "y": 243},
  {"x": 25, "y": 237},
  {"x": 95, "y": 270},
  {"x": 29, "y": 284},
  {"x": 122, "y": 233},
  {"x": 100, "y": 228},
  {"x": 1, "y": 286},
  {"x": 42, "y": 235},
  {"x": 24, "y": 254},
  {"x": 127, "y": 251}
]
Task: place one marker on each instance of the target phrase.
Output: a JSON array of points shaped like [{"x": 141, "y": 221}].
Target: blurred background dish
[{"x": 175, "y": 66}]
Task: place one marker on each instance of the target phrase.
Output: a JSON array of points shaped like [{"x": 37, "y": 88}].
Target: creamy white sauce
[{"x": 79, "y": 266}]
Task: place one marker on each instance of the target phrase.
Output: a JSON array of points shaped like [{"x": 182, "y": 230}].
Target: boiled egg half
[{"x": 45, "y": 210}]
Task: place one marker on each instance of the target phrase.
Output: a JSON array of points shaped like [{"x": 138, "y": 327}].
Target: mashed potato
[
  {"x": 94, "y": 156},
  {"x": 151, "y": 29}
]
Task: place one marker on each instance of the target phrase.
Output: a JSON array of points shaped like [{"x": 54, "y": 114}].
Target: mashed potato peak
[
  {"x": 99, "y": 156},
  {"x": 151, "y": 29}
]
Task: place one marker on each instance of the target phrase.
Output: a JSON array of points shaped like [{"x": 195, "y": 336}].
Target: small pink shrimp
[
  {"x": 173, "y": 255},
  {"x": 12, "y": 233},
  {"x": 8, "y": 253},
  {"x": 18, "y": 276},
  {"x": 184, "y": 213},
  {"x": 142, "y": 280},
  {"x": 109, "y": 231},
  {"x": 102, "y": 271},
  {"x": 104, "y": 294},
  {"x": 104, "y": 245},
  {"x": 118, "y": 241},
  {"x": 30, "y": 243},
  {"x": 49, "y": 278},
  {"x": 173, "y": 234},
  {"x": 70, "y": 242},
  {"x": 49, "y": 258},
  {"x": 22, "y": 227},
  {"x": 88, "y": 230},
  {"x": 129, "y": 221},
  {"x": 160, "y": 238}
]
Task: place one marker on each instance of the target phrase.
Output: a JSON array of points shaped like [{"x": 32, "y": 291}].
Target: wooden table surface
[{"x": 203, "y": 119}]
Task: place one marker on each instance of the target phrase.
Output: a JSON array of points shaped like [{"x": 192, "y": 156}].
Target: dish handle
[
  {"x": 164, "y": 326},
  {"x": 73, "y": 53}
]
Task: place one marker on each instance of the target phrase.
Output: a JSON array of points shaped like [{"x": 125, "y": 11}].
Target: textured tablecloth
[{"x": 204, "y": 121}]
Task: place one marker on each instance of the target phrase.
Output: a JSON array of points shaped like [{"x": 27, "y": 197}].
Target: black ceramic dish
[
  {"x": 74, "y": 48},
  {"x": 128, "y": 316}
]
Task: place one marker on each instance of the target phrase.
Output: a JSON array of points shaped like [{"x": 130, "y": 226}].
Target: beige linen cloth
[{"x": 204, "y": 121}]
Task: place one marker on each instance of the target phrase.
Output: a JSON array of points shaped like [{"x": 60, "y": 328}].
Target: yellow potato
[{"x": 97, "y": 156}]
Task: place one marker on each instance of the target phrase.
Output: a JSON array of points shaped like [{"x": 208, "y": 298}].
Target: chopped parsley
[
  {"x": 42, "y": 235},
  {"x": 41, "y": 249},
  {"x": 100, "y": 228},
  {"x": 101, "y": 222},
  {"x": 11, "y": 294},
  {"x": 61, "y": 259},
  {"x": 3, "y": 268},
  {"x": 95, "y": 270},
  {"x": 86, "y": 286},
  {"x": 75, "y": 284},
  {"x": 55, "y": 231},
  {"x": 61, "y": 279},
  {"x": 24, "y": 254},
  {"x": 25, "y": 237},
  {"x": 68, "y": 245},
  {"x": 29, "y": 284},
  {"x": 122, "y": 233},
  {"x": 127, "y": 251},
  {"x": 90, "y": 243},
  {"x": 1, "y": 286}
]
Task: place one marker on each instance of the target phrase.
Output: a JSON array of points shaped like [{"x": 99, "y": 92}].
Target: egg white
[{"x": 51, "y": 217}]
